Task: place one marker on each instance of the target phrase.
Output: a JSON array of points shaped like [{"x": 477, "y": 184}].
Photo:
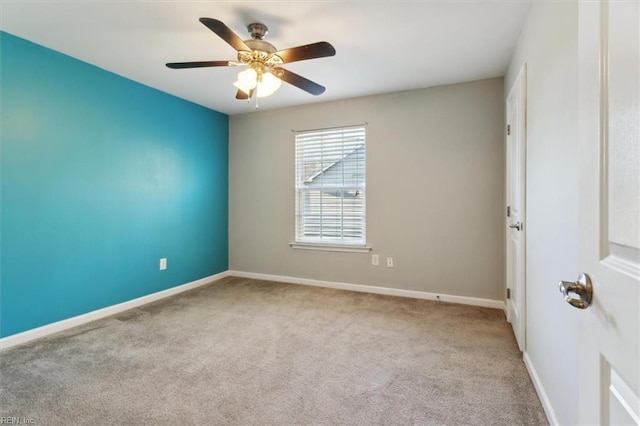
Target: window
[{"x": 331, "y": 186}]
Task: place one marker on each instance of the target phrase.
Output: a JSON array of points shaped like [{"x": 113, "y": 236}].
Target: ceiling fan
[{"x": 263, "y": 74}]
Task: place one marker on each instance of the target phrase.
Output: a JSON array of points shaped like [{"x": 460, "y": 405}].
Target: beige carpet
[{"x": 250, "y": 352}]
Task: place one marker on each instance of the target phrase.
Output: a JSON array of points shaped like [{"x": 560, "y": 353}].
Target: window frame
[{"x": 359, "y": 246}]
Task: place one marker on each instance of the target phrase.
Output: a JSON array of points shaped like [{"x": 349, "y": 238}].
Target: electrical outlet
[
  {"x": 163, "y": 263},
  {"x": 375, "y": 259},
  {"x": 389, "y": 262}
]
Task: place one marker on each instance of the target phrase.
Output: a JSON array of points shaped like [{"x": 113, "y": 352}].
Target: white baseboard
[
  {"x": 475, "y": 301},
  {"x": 537, "y": 384},
  {"x": 45, "y": 330}
]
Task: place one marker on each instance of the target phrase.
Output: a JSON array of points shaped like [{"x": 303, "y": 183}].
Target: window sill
[{"x": 330, "y": 247}]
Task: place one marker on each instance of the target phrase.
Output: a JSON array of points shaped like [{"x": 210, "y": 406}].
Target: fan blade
[
  {"x": 180, "y": 65},
  {"x": 225, "y": 33},
  {"x": 243, "y": 96},
  {"x": 310, "y": 51},
  {"x": 300, "y": 82}
]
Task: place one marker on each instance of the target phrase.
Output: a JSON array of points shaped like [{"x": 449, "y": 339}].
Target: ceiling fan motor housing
[
  {"x": 260, "y": 45},
  {"x": 261, "y": 57},
  {"x": 261, "y": 50}
]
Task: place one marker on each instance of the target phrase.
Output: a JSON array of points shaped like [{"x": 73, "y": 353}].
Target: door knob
[
  {"x": 517, "y": 226},
  {"x": 582, "y": 288}
]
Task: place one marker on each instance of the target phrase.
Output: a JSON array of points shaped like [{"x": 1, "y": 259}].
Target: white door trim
[{"x": 516, "y": 129}]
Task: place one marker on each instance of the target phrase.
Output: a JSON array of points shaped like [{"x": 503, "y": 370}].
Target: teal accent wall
[{"x": 101, "y": 177}]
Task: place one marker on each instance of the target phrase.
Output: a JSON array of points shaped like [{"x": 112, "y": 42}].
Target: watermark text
[{"x": 17, "y": 421}]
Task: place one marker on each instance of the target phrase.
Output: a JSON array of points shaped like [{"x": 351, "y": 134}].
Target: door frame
[{"x": 520, "y": 83}]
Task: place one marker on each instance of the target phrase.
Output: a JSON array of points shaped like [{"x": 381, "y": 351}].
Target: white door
[
  {"x": 609, "y": 217},
  {"x": 516, "y": 132}
]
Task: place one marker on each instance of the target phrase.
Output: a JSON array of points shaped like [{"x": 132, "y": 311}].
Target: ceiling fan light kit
[
  {"x": 265, "y": 83},
  {"x": 263, "y": 74}
]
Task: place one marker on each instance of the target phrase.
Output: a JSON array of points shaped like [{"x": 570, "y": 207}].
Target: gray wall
[
  {"x": 435, "y": 182},
  {"x": 549, "y": 46}
]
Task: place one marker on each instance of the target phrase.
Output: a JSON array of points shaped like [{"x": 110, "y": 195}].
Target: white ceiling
[{"x": 381, "y": 46}]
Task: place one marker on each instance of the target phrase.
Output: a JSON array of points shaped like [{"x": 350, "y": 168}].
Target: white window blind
[{"x": 331, "y": 186}]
